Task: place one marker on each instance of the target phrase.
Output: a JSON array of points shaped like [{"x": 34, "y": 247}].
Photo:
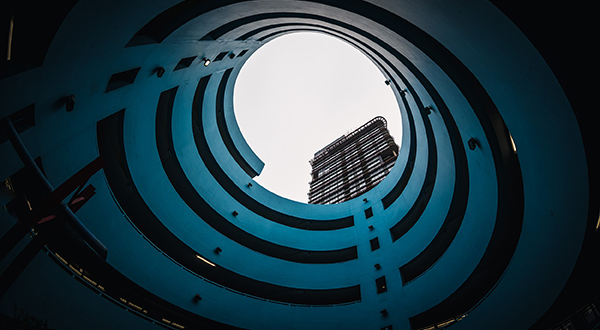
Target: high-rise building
[{"x": 352, "y": 164}]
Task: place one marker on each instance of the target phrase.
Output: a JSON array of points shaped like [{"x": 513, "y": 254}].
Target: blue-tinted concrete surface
[{"x": 483, "y": 79}]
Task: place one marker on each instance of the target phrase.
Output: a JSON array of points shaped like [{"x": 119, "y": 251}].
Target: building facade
[
  {"x": 132, "y": 204},
  {"x": 352, "y": 164}
]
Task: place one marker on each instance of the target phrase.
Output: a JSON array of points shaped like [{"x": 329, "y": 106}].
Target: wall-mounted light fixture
[
  {"x": 234, "y": 213},
  {"x": 206, "y": 62},
  {"x": 70, "y": 103},
  {"x": 473, "y": 143},
  {"x": 159, "y": 71},
  {"x": 11, "y": 25},
  {"x": 512, "y": 142},
  {"x": 218, "y": 250},
  {"x": 387, "y": 82},
  {"x": 206, "y": 261},
  {"x": 598, "y": 223},
  {"x": 428, "y": 109}
]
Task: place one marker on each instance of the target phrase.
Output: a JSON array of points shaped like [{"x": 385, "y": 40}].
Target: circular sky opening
[{"x": 298, "y": 93}]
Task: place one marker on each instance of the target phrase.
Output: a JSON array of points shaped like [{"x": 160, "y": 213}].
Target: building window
[
  {"x": 184, "y": 63},
  {"x": 220, "y": 56},
  {"x": 121, "y": 79},
  {"x": 381, "y": 285},
  {"x": 368, "y": 213},
  {"x": 374, "y": 244},
  {"x": 22, "y": 120}
]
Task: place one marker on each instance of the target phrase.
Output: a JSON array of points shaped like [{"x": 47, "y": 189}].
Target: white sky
[{"x": 298, "y": 93}]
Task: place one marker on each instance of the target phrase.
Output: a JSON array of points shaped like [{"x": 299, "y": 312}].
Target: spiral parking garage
[{"x": 135, "y": 100}]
